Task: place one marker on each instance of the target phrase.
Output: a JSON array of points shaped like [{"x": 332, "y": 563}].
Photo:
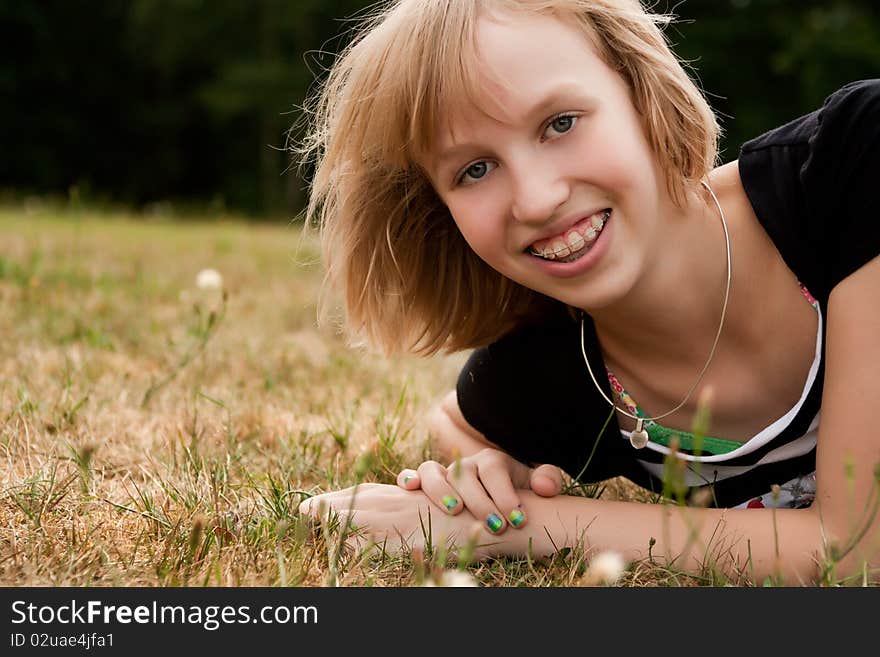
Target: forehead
[{"x": 517, "y": 60}]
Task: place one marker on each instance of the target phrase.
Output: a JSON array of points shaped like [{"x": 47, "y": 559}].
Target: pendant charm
[{"x": 639, "y": 437}]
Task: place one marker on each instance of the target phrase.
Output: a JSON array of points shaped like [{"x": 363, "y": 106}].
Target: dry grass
[{"x": 151, "y": 434}]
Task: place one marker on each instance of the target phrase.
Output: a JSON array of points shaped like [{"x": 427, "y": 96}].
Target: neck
[{"x": 663, "y": 329}]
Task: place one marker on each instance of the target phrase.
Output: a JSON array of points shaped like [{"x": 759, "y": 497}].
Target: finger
[
  {"x": 546, "y": 480},
  {"x": 520, "y": 473},
  {"x": 408, "y": 479},
  {"x": 466, "y": 482},
  {"x": 310, "y": 506},
  {"x": 336, "y": 519},
  {"x": 433, "y": 480},
  {"x": 497, "y": 483},
  {"x": 320, "y": 505}
]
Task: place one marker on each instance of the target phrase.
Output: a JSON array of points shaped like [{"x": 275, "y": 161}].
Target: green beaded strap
[{"x": 686, "y": 440}]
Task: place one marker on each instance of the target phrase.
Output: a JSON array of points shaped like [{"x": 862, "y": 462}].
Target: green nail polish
[
  {"x": 495, "y": 523},
  {"x": 450, "y": 502},
  {"x": 516, "y": 517}
]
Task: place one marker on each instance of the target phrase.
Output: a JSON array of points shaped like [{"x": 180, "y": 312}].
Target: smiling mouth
[{"x": 575, "y": 242}]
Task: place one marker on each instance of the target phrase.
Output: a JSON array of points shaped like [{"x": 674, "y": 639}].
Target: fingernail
[
  {"x": 450, "y": 502},
  {"x": 495, "y": 523},
  {"x": 516, "y": 517}
]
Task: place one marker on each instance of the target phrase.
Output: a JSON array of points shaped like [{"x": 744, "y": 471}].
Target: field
[{"x": 158, "y": 433}]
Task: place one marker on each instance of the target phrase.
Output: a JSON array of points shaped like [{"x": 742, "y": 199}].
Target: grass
[{"x": 156, "y": 434}]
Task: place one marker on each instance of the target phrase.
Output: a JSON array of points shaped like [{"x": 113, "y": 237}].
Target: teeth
[
  {"x": 575, "y": 241},
  {"x": 560, "y": 249}
]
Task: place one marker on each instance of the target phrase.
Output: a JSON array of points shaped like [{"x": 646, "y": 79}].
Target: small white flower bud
[
  {"x": 209, "y": 279},
  {"x": 605, "y": 569},
  {"x": 456, "y": 578}
]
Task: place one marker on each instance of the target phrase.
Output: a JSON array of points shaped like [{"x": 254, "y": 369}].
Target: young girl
[{"x": 536, "y": 180}]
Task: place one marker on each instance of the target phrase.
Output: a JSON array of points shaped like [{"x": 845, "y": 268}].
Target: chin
[{"x": 598, "y": 295}]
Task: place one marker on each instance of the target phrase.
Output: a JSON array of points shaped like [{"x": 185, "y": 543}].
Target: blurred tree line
[{"x": 145, "y": 101}]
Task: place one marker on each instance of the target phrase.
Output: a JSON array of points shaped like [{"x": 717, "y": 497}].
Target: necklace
[{"x": 639, "y": 437}]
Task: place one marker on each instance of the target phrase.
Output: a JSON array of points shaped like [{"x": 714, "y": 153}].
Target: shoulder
[
  {"x": 526, "y": 379},
  {"x": 846, "y": 136},
  {"x": 818, "y": 151},
  {"x": 518, "y": 362},
  {"x": 859, "y": 96},
  {"x": 811, "y": 183},
  {"x": 852, "y": 110}
]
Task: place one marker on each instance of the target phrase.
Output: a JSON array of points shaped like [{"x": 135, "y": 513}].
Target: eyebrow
[{"x": 553, "y": 96}]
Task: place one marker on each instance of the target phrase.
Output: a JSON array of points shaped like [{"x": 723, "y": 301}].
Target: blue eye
[
  {"x": 475, "y": 172},
  {"x": 562, "y": 123}
]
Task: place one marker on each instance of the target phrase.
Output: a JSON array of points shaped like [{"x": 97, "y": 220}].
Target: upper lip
[{"x": 559, "y": 227}]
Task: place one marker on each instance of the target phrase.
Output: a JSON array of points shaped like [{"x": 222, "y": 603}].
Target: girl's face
[{"x": 552, "y": 182}]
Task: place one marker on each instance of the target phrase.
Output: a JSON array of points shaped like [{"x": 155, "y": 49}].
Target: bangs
[
  {"x": 446, "y": 74},
  {"x": 397, "y": 83},
  {"x": 428, "y": 51}
]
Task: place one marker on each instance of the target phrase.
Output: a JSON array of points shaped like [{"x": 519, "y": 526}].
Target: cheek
[
  {"x": 480, "y": 220},
  {"x": 616, "y": 154}
]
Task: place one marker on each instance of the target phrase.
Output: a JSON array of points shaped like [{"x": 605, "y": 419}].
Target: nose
[{"x": 537, "y": 194}]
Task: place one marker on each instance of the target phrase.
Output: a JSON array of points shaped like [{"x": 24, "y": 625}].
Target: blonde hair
[{"x": 409, "y": 280}]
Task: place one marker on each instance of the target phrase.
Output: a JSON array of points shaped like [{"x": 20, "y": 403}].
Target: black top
[{"x": 813, "y": 184}]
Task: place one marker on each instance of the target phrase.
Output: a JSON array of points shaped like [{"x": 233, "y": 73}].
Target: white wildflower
[
  {"x": 209, "y": 279},
  {"x": 453, "y": 578},
  {"x": 605, "y": 569}
]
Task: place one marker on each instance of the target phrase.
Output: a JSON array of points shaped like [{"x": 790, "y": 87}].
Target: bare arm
[{"x": 755, "y": 542}]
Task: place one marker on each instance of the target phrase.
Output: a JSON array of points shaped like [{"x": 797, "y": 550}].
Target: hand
[
  {"x": 485, "y": 483},
  {"x": 394, "y": 518}
]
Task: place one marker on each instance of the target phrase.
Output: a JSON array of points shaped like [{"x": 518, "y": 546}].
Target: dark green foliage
[
  {"x": 144, "y": 101},
  {"x": 766, "y": 62},
  {"x": 150, "y": 100}
]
